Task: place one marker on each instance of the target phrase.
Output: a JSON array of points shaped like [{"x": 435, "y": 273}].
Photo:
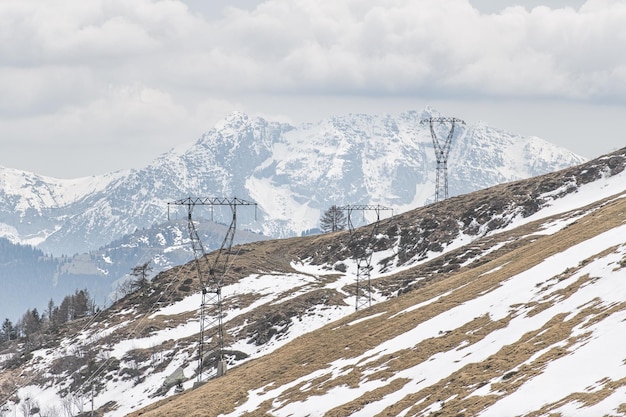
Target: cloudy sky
[{"x": 89, "y": 87}]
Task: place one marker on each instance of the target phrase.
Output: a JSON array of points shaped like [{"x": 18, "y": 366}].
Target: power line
[
  {"x": 363, "y": 254},
  {"x": 441, "y": 154},
  {"x": 211, "y": 277}
]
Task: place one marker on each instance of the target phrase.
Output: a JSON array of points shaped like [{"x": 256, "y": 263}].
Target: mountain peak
[
  {"x": 293, "y": 173},
  {"x": 237, "y": 117},
  {"x": 429, "y": 112},
  {"x": 234, "y": 119}
]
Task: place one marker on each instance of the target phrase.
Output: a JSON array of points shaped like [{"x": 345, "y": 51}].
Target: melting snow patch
[
  {"x": 187, "y": 304},
  {"x": 366, "y": 318}
]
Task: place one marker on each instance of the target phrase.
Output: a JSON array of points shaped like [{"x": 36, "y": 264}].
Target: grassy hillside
[
  {"x": 365, "y": 356},
  {"x": 506, "y": 301}
]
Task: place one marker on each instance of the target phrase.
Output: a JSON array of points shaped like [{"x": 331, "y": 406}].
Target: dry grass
[{"x": 314, "y": 351}]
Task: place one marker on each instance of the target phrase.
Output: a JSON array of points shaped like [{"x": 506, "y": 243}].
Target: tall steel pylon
[
  {"x": 363, "y": 255},
  {"x": 211, "y": 277},
  {"x": 441, "y": 154}
]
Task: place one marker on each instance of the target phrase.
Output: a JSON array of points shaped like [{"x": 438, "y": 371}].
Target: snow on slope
[
  {"x": 561, "y": 377},
  {"x": 586, "y": 362},
  {"x": 38, "y": 192},
  {"x": 33, "y": 206},
  {"x": 536, "y": 284}
]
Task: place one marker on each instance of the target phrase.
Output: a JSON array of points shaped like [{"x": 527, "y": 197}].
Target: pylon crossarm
[
  {"x": 212, "y": 201},
  {"x": 350, "y": 208}
]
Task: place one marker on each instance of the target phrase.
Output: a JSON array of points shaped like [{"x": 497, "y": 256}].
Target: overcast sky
[{"x": 89, "y": 87}]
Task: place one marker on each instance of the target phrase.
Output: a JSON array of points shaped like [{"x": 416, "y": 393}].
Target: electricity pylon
[
  {"x": 441, "y": 154},
  {"x": 211, "y": 277},
  {"x": 363, "y": 255}
]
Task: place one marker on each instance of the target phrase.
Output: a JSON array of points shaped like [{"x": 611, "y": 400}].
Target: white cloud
[
  {"x": 369, "y": 46},
  {"x": 117, "y": 70},
  {"x": 385, "y": 47}
]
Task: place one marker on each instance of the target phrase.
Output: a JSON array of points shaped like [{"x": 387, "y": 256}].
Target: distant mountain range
[{"x": 294, "y": 173}]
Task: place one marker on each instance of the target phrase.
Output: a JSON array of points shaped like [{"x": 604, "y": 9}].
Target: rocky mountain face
[
  {"x": 93, "y": 230},
  {"x": 294, "y": 173},
  {"x": 479, "y": 303}
]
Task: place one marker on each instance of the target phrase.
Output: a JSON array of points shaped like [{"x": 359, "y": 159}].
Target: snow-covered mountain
[
  {"x": 504, "y": 301},
  {"x": 294, "y": 173},
  {"x": 105, "y": 225}
]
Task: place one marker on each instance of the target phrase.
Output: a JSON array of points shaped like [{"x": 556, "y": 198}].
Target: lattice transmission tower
[
  {"x": 363, "y": 254},
  {"x": 211, "y": 276},
  {"x": 441, "y": 154}
]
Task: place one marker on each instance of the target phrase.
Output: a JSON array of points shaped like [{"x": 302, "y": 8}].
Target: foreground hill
[
  {"x": 505, "y": 301},
  {"x": 529, "y": 324}
]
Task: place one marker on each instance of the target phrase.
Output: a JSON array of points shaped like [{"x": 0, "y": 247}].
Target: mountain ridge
[{"x": 293, "y": 172}]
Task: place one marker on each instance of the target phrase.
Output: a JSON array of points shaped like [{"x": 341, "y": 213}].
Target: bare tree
[
  {"x": 28, "y": 407},
  {"x": 51, "y": 411},
  {"x": 68, "y": 404},
  {"x": 79, "y": 403}
]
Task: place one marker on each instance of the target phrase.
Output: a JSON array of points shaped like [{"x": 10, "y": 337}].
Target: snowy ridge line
[{"x": 293, "y": 172}]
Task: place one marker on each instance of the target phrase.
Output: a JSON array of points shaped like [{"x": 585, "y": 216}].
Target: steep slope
[
  {"x": 534, "y": 332},
  {"x": 475, "y": 299},
  {"x": 293, "y": 172},
  {"x": 533, "y": 327}
]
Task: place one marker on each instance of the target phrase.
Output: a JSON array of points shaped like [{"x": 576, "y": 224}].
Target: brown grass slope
[
  {"x": 426, "y": 229},
  {"x": 415, "y": 236}
]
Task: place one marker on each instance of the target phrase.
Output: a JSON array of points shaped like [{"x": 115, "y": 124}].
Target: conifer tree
[
  {"x": 8, "y": 332},
  {"x": 333, "y": 220},
  {"x": 141, "y": 276}
]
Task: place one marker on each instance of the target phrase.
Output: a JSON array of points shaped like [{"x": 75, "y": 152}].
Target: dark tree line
[
  {"x": 28, "y": 256},
  {"x": 75, "y": 306}
]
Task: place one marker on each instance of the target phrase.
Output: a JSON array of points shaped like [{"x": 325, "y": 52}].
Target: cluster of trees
[{"x": 75, "y": 306}]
